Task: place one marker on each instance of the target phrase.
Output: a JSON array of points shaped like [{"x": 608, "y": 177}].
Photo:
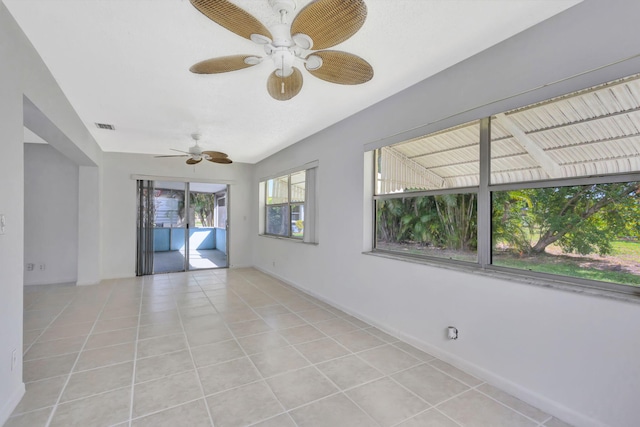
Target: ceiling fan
[
  {"x": 196, "y": 154},
  {"x": 320, "y": 25}
]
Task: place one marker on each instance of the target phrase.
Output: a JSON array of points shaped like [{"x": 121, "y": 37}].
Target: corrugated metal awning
[{"x": 591, "y": 132}]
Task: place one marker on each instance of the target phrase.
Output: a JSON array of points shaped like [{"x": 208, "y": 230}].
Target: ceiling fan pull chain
[{"x": 282, "y": 77}]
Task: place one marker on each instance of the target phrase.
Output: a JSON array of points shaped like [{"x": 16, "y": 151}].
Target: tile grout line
[
  {"x": 311, "y": 364},
  {"x": 455, "y": 378},
  {"x": 352, "y": 353},
  {"x": 342, "y": 392},
  {"x": 195, "y": 368},
  {"x": 286, "y": 414},
  {"x": 292, "y": 345},
  {"x": 475, "y": 388},
  {"x": 446, "y": 416},
  {"x": 163, "y": 409},
  {"x": 507, "y": 406},
  {"x": 389, "y": 376},
  {"x": 429, "y": 362},
  {"x": 135, "y": 354},
  {"x": 46, "y": 328},
  {"x": 235, "y": 338},
  {"x": 93, "y": 348},
  {"x": 430, "y": 408},
  {"x": 242, "y": 290},
  {"x": 64, "y": 387}
]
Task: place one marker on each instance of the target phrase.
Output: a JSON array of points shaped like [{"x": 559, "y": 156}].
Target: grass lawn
[
  {"x": 605, "y": 269},
  {"x": 627, "y": 249}
]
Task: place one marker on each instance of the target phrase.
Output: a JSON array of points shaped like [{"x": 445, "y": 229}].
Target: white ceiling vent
[{"x": 105, "y": 126}]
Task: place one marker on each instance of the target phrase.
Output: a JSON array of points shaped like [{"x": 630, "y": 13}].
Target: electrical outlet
[
  {"x": 14, "y": 359},
  {"x": 30, "y": 266},
  {"x": 3, "y": 223},
  {"x": 452, "y": 333},
  {"x": 43, "y": 267}
]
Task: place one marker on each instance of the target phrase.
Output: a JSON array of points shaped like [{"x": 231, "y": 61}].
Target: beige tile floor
[{"x": 233, "y": 348}]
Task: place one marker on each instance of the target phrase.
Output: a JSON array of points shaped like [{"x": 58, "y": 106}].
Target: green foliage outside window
[
  {"x": 445, "y": 221},
  {"x": 581, "y": 219}
]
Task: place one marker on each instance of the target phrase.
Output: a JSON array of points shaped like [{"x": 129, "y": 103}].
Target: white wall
[
  {"x": 118, "y": 209},
  {"x": 89, "y": 254},
  {"x": 12, "y": 206},
  {"x": 573, "y": 355},
  {"x": 24, "y": 74},
  {"x": 50, "y": 215}
]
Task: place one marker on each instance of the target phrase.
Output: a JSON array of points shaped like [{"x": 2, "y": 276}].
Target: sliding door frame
[{"x": 187, "y": 192}]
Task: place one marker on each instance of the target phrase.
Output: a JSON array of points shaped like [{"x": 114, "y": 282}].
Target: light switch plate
[{"x": 3, "y": 223}]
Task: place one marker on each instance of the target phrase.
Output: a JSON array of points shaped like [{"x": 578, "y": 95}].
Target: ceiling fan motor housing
[{"x": 283, "y": 6}]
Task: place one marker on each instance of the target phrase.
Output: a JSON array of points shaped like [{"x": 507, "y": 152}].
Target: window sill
[
  {"x": 632, "y": 296},
  {"x": 289, "y": 239}
]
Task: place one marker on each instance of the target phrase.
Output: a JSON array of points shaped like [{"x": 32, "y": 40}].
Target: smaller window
[
  {"x": 440, "y": 226},
  {"x": 285, "y": 205}
]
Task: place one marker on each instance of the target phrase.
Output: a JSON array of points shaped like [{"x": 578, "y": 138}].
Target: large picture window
[
  {"x": 420, "y": 210},
  {"x": 550, "y": 190},
  {"x": 586, "y": 231}
]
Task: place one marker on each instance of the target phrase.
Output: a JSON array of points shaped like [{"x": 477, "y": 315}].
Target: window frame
[
  {"x": 564, "y": 182},
  {"x": 484, "y": 192},
  {"x": 288, "y": 205}
]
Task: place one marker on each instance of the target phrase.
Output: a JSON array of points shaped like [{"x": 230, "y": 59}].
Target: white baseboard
[
  {"x": 535, "y": 399},
  {"x": 87, "y": 283},
  {"x": 50, "y": 281},
  {"x": 11, "y": 403},
  {"x": 237, "y": 266}
]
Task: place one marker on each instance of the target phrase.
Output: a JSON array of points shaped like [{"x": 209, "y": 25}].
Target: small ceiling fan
[
  {"x": 196, "y": 154},
  {"x": 320, "y": 25}
]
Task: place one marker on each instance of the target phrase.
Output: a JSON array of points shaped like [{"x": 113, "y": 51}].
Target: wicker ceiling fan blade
[
  {"x": 215, "y": 154},
  {"x": 193, "y": 161},
  {"x": 284, "y": 88},
  {"x": 222, "y": 64},
  {"x": 329, "y": 22},
  {"x": 221, "y": 160},
  {"x": 342, "y": 68},
  {"x": 231, "y": 17}
]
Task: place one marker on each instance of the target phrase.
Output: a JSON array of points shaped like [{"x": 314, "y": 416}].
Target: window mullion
[{"x": 484, "y": 197}]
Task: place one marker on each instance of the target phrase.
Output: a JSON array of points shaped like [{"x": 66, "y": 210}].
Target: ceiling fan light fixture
[
  {"x": 303, "y": 41},
  {"x": 252, "y": 60},
  {"x": 196, "y": 154},
  {"x": 319, "y": 25},
  {"x": 288, "y": 72},
  {"x": 313, "y": 62},
  {"x": 260, "y": 39}
]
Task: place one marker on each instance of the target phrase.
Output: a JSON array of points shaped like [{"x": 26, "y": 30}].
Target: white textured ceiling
[{"x": 127, "y": 63}]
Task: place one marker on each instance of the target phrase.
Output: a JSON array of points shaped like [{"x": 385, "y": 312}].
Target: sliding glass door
[
  {"x": 207, "y": 244},
  {"x": 170, "y": 226},
  {"x": 181, "y": 226}
]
